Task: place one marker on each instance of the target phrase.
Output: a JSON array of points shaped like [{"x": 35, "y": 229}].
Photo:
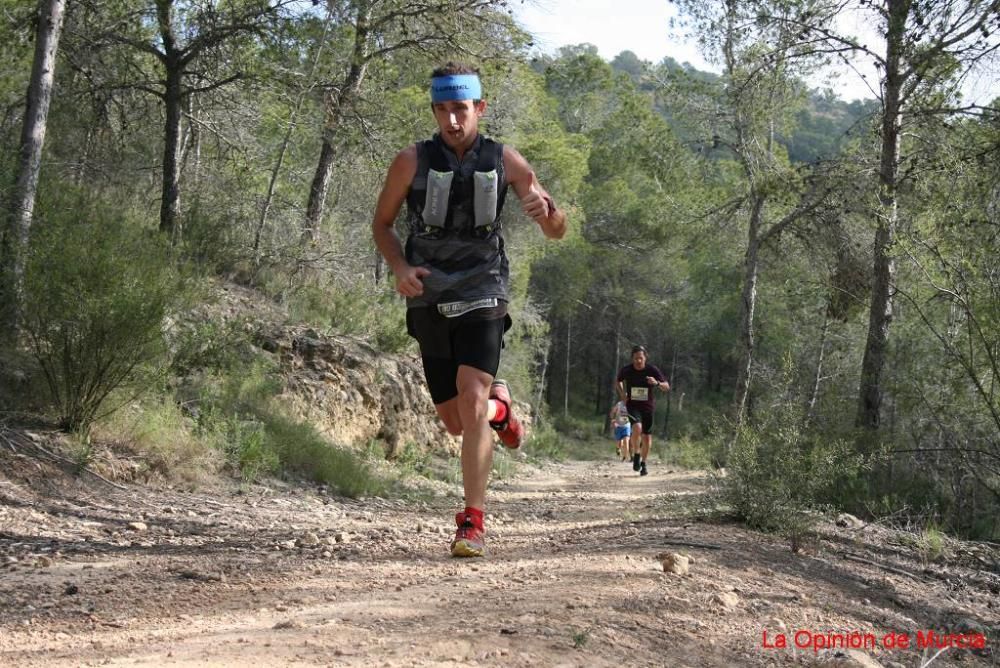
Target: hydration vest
[
  {"x": 447, "y": 198},
  {"x": 453, "y": 217}
]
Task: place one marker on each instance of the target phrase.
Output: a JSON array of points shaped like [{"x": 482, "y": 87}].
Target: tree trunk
[
  {"x": 569, "y": 342},
  {"x": 170, "y": 198},
  {"x": 615, "y": 361},
  {"x": 543, "y": 376},
  {"x": 670, "y": 394},
  {"x": 318, "y": 190},
  {"x": 880, "y": 313},
  {"x": 272, "y": 183},
  {"x": 14, "y": 242},
  {"x": 810, "y": 412},
  {"x": 286, "y": 141},
  {"x": 748, "y": 303},
  {"x": 193, "y": 142},
  {"x": 348, "y": 91}
]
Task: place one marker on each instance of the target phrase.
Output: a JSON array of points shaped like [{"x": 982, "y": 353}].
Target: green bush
[
  {"x": 546, "y": 443},
  {"x": 411, "y": 459},
  {"x": 97, "y": 287},
  {"x": 578, "y": 428},
  {"x": 210, "y": 345},
  {"x": 213, "y": 237},
  {"x": 353, "y": 309},
  {"x": 777, "y": 477},
  {"x": 687, "y": 452},
  {"x": 245, "y": 443}
]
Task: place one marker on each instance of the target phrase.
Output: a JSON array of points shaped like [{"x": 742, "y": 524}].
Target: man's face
[
  {"x": 639, "y": 359},
  {"x": 458, "y": 121}
]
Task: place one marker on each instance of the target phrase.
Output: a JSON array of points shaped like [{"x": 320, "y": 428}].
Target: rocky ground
[{"x": 98, "y": 574}]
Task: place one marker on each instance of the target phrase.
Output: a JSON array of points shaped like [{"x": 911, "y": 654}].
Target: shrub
[
  {"x": 546, "y": 443},
  {"x": 97, "y": 287},
  {"x": 778, "y": 477},
  {"x": 687, "y": 452},
  {"x": 931, "y": 544},
  {"x": 342, "y": 307},
  {"x": 210, "y": 345}
]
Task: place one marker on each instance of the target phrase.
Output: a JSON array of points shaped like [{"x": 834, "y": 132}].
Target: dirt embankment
[{"x": 282, "y": 575}]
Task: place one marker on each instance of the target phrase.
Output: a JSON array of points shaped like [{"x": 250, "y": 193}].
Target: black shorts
[
  {"x": 643, "y": 415},
  {"x": 473, "y": 339}
]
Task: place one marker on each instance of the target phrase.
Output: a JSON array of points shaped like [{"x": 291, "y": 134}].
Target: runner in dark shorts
[
  {"x": 454, "y": 273},
  {"x": 634, "y": 385}
]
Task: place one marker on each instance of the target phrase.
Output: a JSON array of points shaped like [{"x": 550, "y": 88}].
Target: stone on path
[{"x": 674, "y": 563}]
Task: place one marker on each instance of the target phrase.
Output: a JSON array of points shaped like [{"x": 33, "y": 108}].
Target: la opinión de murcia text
[{"x": 823, "y": 640}]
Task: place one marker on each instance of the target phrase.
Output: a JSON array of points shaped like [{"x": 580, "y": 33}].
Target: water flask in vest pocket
[
  {"x": 436, "y": 198},
  {"x": 485, "y": 197}
]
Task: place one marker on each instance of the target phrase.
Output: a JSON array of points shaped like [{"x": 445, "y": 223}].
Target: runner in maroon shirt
[{"x": 635, "y": 385}]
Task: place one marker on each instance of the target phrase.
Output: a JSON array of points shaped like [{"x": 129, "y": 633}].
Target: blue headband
[{"x": 456, "y": 87}]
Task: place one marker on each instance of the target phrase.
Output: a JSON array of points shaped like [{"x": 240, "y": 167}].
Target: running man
[
  {"x": 455, "y": 276},
  {"x": 635, "y": 386}
]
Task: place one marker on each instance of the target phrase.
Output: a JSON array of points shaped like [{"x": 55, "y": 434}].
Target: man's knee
[
  {"x": 472, "y": 400},
  {"x": 473, "y": 392}
]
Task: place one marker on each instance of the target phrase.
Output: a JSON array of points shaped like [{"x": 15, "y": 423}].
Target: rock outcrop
[{"x": 355, "y": 394}]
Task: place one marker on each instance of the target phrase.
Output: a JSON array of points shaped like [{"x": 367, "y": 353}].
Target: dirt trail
[{"x": 92, "y": 575}]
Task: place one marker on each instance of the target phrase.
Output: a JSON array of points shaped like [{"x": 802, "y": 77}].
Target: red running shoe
[
  {"x": 469, "y": 540},
  {"x": 510, "y": 430}
]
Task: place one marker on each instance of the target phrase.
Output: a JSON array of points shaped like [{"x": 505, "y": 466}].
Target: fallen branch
[
  {"x": 685, "y": 543},
  {"x": 10, "y": 436},
  {"x": 885, "y": 567},
  {"x": 97, "y": 620},
  {"x": 209, "y": 502},
  {"x": 82, "y": 469}
]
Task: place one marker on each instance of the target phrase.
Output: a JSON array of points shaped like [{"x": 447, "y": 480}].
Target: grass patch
[
  {"x": 238, "y": 414},
  {"x": 504, "y": 467},
  {"x": 301, "y": 449},
  {"x": 413, "y": 461},
  {"x": 158, "y": 430}
]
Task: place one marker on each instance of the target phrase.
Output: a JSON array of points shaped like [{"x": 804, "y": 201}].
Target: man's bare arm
[
  {"x": 390, "y": 200},
  {"x": 536, "y": 202}
]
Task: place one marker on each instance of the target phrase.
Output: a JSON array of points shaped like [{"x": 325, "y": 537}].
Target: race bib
[{"x": 639, "y": 394}]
